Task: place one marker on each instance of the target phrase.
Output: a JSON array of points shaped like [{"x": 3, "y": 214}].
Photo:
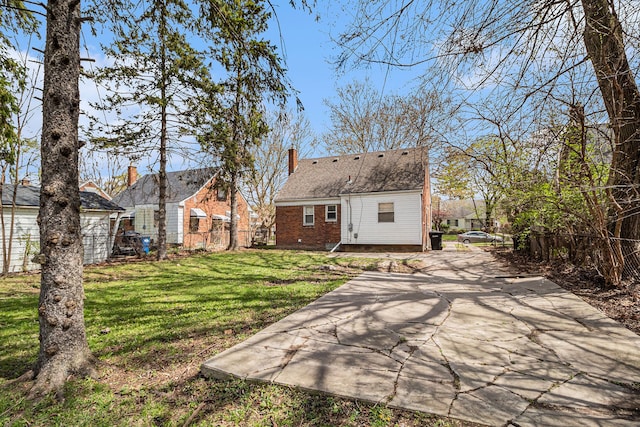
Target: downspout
[{"x": 426, "y": 201}]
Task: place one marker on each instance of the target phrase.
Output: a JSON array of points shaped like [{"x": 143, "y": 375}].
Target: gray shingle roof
[
  {"x": 29, "y": 195},
  {"x": 94, "y": 201},
  {"x": 180, "y": 186},
  {"x": 328, "y": 177}
]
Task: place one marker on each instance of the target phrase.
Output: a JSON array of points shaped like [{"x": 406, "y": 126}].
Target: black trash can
[{"x": 436, "y": 240}]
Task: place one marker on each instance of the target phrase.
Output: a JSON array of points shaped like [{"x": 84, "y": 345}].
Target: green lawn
[{"x": 152, "y": 324}]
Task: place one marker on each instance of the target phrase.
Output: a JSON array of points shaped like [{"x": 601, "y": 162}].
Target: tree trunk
[
  {"x": 488, "y": 211},
  {"x": 606, "y": 49},
  {"x": 63, "y": 344},
  {"x": 14, "y": 197},
  {"x": 162, "y": 173},
  {"x": 12, "y": 220},
  {"x": 162, "y": 196},
  {"x": 233, "y": 226},
  {"x": 5, "y": 258}
]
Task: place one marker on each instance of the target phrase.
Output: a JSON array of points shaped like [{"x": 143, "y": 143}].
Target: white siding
[
  {"x": 174, "y": 223},
  {"x": 180, "y": 223},
  {"x": 26, "y": 238},
  {"x": 361, "y": 211},
  {"x": 95, "y": 236},
  {"x": 145, "y": 224}
]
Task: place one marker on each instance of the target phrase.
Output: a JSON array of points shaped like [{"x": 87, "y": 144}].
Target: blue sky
[
  {"x": 307, "y": 49},
  {"x": 309, "y": 52}
]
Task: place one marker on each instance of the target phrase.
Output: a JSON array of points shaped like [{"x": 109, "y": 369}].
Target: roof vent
[
  {"x": 356, "y": 158},
  {"x": 381, "y": 155},
  {"x": 335, "y": 160},
  {"x": 404, "y": 153},
  {"x": 315, "y": 162}
]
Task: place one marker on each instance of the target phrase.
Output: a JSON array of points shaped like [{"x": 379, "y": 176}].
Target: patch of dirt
[
  {"x": 399, "y": 266},
  {"x": 174, "y": 363},
  {"x": 621, "y": 304},
  {"x": 324, "y": 274}
]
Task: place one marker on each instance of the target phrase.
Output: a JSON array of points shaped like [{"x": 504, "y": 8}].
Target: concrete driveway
[{"x": 464, "y": 338}]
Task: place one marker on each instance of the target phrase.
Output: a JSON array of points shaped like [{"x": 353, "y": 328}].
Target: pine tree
[
  {"x": 234, "y": 120},
  {"x": 152, "y": 83}
]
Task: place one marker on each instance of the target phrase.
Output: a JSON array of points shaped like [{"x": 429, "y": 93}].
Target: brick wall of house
[
  {"x": 212, "y": 233},
  {"x": 289, "y": 228}
]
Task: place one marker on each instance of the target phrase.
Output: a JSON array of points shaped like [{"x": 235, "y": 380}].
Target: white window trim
[
  {"x": 326, "y": 213},
  {"x": 304, "y": 216}
]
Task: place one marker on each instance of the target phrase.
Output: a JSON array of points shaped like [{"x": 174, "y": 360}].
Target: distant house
[
  {"x": 198, "y": 213},
  {"x": 97, "y": 235},
  {"x": 465, "y": 215},
  {"x": 357, "y": 201}
]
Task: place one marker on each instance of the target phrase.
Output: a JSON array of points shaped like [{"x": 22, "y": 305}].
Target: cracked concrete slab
[
  {"x": 492, "y": 405},
  {"x": 464, "y": 338}
]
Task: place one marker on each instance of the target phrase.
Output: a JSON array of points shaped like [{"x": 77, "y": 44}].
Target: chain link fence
[
  {"x": 99, "y": 247},
  {"x": 586, "y": 251},
  {"x": 212, "y": 240},
  {"x": 205, "y": 240}
]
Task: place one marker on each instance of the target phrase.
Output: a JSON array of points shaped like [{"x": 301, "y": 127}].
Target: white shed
[{"x": 25, "y": 242}]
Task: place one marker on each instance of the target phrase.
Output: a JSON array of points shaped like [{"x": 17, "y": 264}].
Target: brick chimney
[
  {"x": 293, "y": 160},
  {"x": 132, "y": 175}
]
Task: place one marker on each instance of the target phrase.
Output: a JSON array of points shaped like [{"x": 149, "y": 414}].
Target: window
[
  {"x": 194, "y": 224},
  {"x": 222, "y": 195},
  {"x": 307, "y": 215},
  {"x": 453, "y": 222},
  {"x": 331, "y": 213},
  {"x": 385, "y": 212}
]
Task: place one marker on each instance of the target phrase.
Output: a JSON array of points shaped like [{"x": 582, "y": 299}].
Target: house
[
  {"x": 198, "y": 213},
  {"x": 97, "y": 235},
  {"x": 358, "y": 201},
  {"x": 465, "y": 215}
]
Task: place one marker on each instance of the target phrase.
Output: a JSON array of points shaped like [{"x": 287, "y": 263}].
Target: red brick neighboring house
[
  {"x": 377, "y": 200},
  {"x": 198, "y": 214}
]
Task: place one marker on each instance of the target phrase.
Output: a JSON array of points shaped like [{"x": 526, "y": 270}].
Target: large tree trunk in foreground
[
  {"x": 606, "y": 49},
  {"x": 64, "y": 351}
]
